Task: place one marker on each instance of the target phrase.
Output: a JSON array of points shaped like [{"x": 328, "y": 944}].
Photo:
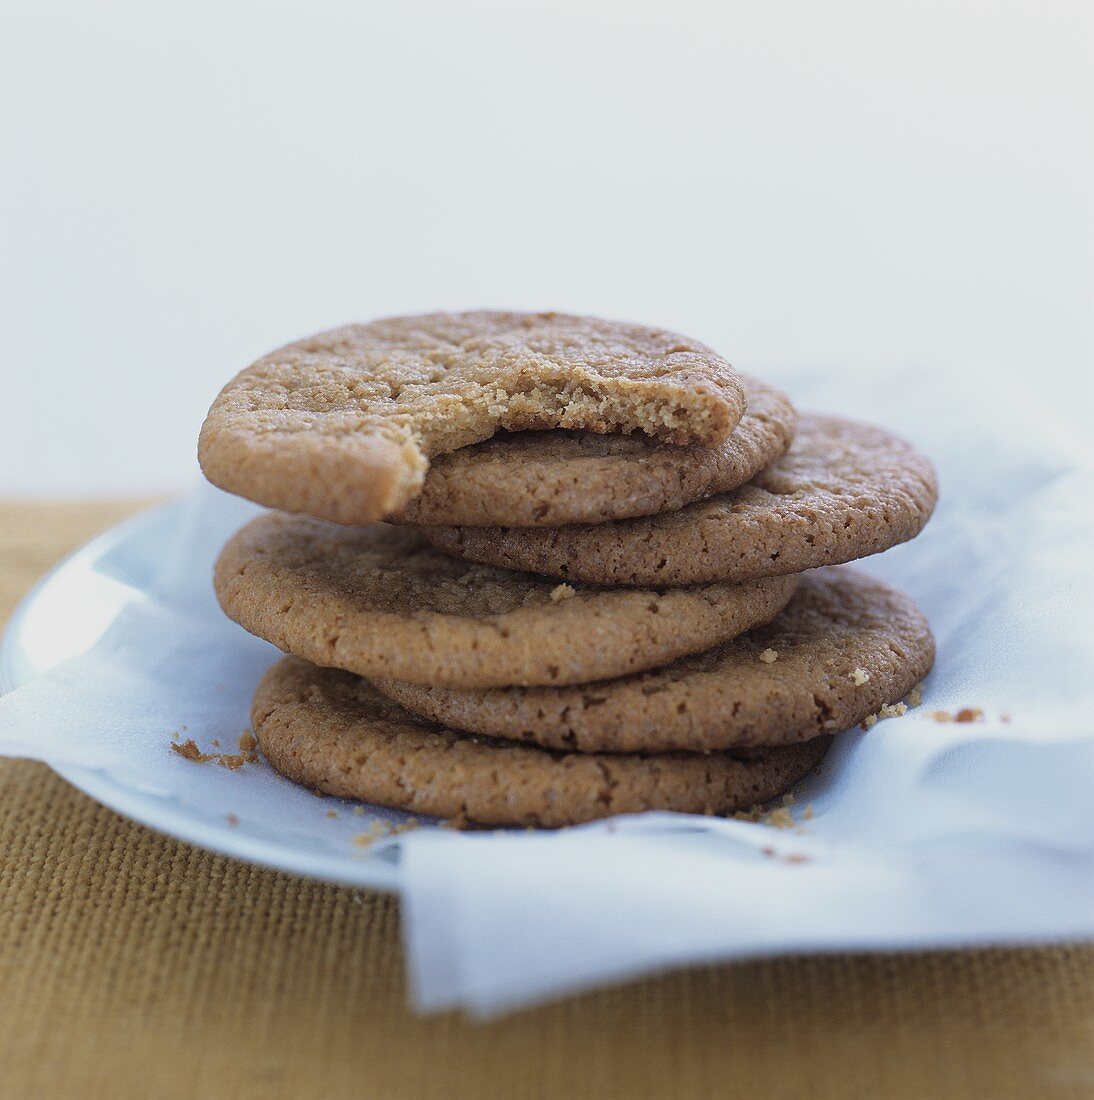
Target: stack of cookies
[{"x": 535, "y": 569}]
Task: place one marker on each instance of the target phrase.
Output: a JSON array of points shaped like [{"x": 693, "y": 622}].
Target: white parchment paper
[{"x": 921, "y": 834}]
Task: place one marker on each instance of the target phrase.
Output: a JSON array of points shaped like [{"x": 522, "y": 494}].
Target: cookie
[
  {"x": 542, "y": 479},
  {"x": 333, "y": 732},
  {"x": 844, "y": 647},
  {"x": 380, "y": 601},
  {"x": 842, "y": 491},
  {"x": 342, "y": 425}
]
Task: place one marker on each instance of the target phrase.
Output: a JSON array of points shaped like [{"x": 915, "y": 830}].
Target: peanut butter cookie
[
  {"x": 842, "y": 491},
  {"x": 845, "y": 646},
  {"x": 333, "y": 732},
  {"x": 343, "y": 425},
  {"x": 543, "y": 479},
  {"x": 380, "y": 601}
]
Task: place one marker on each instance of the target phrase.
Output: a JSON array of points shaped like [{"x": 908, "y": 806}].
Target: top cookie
[
  {"x": 342, "y": 425},
  {"x": 844, "y": 490},
  {"x": 544, "y": 479}
]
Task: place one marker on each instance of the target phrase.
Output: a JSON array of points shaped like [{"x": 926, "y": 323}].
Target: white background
[{"x": 840, "y": 186}]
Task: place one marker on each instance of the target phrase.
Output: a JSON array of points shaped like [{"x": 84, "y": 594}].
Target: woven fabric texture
[{"x": 134, "y": 965}]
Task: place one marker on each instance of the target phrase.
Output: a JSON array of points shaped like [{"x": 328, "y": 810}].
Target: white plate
[{"x": 66, "y": 613}]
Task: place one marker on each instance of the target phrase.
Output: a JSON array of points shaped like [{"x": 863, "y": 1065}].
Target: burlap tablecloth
[{"x": 131, "y": 964}]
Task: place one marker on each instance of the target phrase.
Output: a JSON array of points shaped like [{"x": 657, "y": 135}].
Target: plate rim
[{"x": 146, "y": 810}]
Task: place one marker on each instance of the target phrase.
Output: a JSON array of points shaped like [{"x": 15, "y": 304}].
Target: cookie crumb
[
  {"x": 233, "y": 820},
  {"x": 375, "y": 831},
  {"x": 1004, "y": 717},
  {"x": 189, "y": 750},
  {"x": 358, "y": 811},
  {"x": 888, "y": 710},
  {"x": 247, "y": 753},
  {"x": 860, "y": 676},
  {"x": 332, "y": 813},
  {"x": 779, "y": 818},
  {"x": 215, "y": 743},
  {"x": 769, "y": 656},
  {"x": 562, "y": 592},
  {"x": 807, "y": 813},
  {"x": 915, "y": 697},
  {"x": 965, "y": 714},
  {"x": 380, "y": 830},
  {"x": 790, "y": 857}
]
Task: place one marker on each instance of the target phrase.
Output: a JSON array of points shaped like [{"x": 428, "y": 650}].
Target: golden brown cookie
[
  {"x": 845, "y": 646},
  {"x": 380, "y": 601},
  {"x": 333, "y": 732},
  {"x": 342, "y": 425},
  {"x": 542, "y": 479},
  {"x": 842, "y": 491}
]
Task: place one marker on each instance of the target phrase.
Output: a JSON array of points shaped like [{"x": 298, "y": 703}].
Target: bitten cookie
[
  {"x": 845, "y": 646},
  {"x": 342, "y": 425},
  {"x": 842, "y": 491},
  {"x": 543, "y": 479},
  {"x": 333, "y": 732},
  {"x": 380, "y": 601}
]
